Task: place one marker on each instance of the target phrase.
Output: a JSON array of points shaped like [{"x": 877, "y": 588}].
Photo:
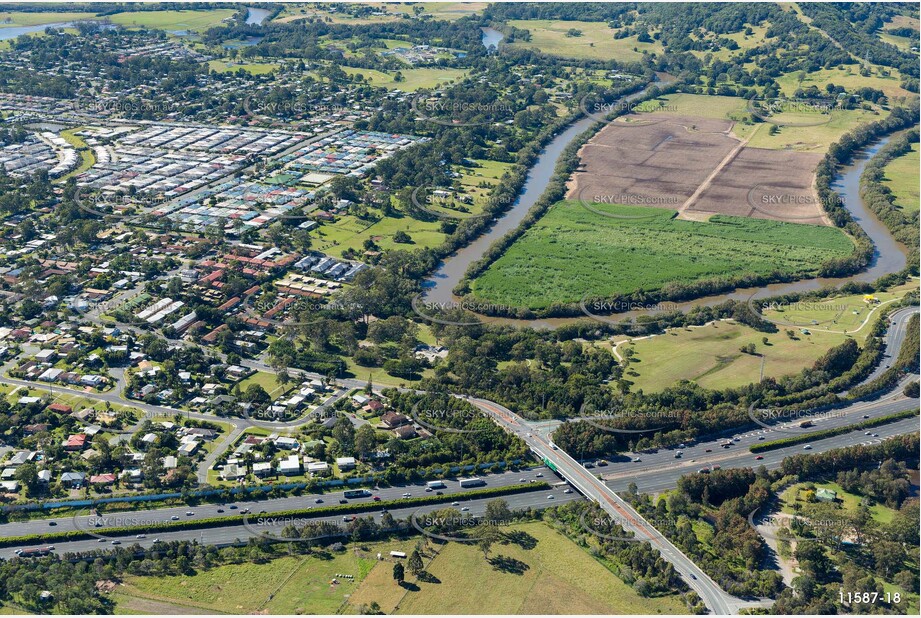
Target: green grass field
[
  {"x": 902, "y": 179},
  {"x": 87, "y": 158},
  {"x": 848, "y": 501},
  {"x": 288, "y": 585},
  {"x": 843, "y": 313},
  {"x": 597, "y": 41},
  {"x": 572, "y": 252},
  {"x": 16, "y": 19},
  {"x": 350, "y": 232},
  {"x": 255, "y": 68},
  {"x": 173, "y": 20},
  {"x": 413, "y": 79},
  {"x": 555, "y": 577},
  {"x": 267, "y": 381},
  {"x": 710, "y": 356},
  {"x": 848, "y": 76}
]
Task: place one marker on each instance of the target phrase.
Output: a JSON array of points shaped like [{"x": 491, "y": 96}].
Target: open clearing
[
  {"x": 413, "y": 79},
  {"x": 596, "y": 41},
  {"x": 173, "y": 20},
  {"x": 848, "y": 76},
  {"x": 556, "y": 576},
  {"x": 572, "y": 252},
  {"x": 661, "y": 159},
  {"x": 710, "y": 355},
  {"x": 17, "y": 18},
  {"x": 902, "y": 180},
  {"x": 288, "y": 585}
]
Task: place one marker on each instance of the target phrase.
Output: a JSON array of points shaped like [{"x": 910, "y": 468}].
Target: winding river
[{"x": 889, "y": 255}]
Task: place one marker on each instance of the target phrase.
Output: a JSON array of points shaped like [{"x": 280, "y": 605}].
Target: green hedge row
[
  {"x": 238, "y": 520},
  {"x": 830, "y": 433}
]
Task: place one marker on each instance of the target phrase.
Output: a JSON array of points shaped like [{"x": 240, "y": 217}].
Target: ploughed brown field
[{"x": 695, "y": 166}]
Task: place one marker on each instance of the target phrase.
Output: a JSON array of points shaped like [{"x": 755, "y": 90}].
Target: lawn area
[
  {"x": 902, "y": 179},
  {"x": 350, "y": 232},
  {"x": 16, "y": 18},
  {"x": 842, "y": 313},
  {"x": 87, "y": 158},
  {"x": 596, "y": 42},
  {"x": 287, "y": 585},
  {"x": 266, "y": 380},
  {"x": 572, "y": 252},
  {"x": 413, "y": 79},
  {"x": 173, "y": 20},
  {"x": 710, "y": 356},
  {"x": 848, "y": 501},
  {"x": 255, "y": 68},
  {"x": 555, "y": 577}
]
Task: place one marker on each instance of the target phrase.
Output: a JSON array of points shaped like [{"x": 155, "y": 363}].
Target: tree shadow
[
  {"x": 522, "y": 539},
  {"x": 509, "y": 565},
  {"x": 409, "y": 586},
  {"x": 428, "y": 578}
]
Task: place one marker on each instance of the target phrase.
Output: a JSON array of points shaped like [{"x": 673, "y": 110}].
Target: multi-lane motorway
[
  {"x": 259, "y": 524},
  {"x": 145, "y": 517}
]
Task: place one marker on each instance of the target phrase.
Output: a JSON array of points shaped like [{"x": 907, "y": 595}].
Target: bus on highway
[{"x": 356, "y": 493}]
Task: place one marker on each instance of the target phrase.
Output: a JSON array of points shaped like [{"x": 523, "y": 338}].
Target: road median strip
[{"x": 830, "y": 433}]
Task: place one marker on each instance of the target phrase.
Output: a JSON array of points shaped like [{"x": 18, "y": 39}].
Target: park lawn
[
  {"x": 848, "y": 501},
  {"x": 17, "y": 18},
  {"x": 350, "y": 232},
  {"x": 843, "y": 313},
  {"x": 848, "y": 76},
  {"x": 597, "y": 41},
  {"x": 557, "y": 577},
  {"x": 87, "y": 158},
  {"x": 255, "y": 68},
  {"x": 378, "y": 375},
  {"x": 710, "y": 355},
  {"x": 413, "y": 79},
  {"x": 173, "y": 20},
  {"x": 902, "y": 179},
  {"x": 572, "y": 253}
]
